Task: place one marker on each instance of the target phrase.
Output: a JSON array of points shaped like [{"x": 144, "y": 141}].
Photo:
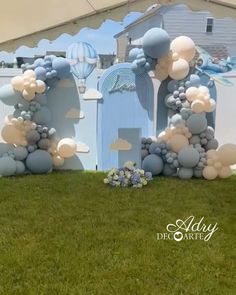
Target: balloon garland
[
  {"x": 187, "y": 147},
  {"x": 32, "y": 145}
]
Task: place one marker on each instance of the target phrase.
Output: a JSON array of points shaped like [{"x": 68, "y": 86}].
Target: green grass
[{"x": 68, "y": 233}]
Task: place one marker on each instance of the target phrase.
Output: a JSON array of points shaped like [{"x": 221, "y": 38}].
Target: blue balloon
[
  {"x": 133, "y": 54},
  {"x": 20, "y": 153},
  {"x": 156, "y": 43},
  {"x": 9, "y": 96},
  {"x": 172, "y": 86},
  {"x": 195, "y": 80},
  {"x": 83, "y": 59},
  {"x": 7, "y": 166},
  {"x": 61, "y": 66},
  {"x": 169, "y": 171},
  {"x": 185, "y": 173},
  {"x": 5, "y": 148},
  {"x": 196, "y": 123},
  {"x": 40, "y": 73},
  {"x": 188, "y": 157},
  {"x": 154, "y": 164},
  {"x": 39, "y": 162},
  {"x": 20, "y": 167}
]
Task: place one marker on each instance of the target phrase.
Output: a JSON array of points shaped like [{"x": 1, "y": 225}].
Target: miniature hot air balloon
[{"x": 83, "y": 59}]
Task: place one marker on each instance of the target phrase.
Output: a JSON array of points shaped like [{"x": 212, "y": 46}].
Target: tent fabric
[{"x": 26, "y": 22}]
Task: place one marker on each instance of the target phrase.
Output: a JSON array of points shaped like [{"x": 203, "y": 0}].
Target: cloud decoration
[
  {"x": 121, "y": 145},
  {"x": 74, "y": 114},
  {"x": 82, "y": 148},
  {"x": 92, "y": 94}
]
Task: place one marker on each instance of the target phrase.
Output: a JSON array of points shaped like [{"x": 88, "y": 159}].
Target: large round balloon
[
  {"x": 153, "y": 163},
  {"x": 5, "y": 148},
  {"x": 39, "y": 162},
  {"x": 196, "y": 123},
  {"x": 11, "y": 134},
  {"x": 188, "y": 157},
  {"x": 210, "y": 173},
  {"x": 7, "y": 166},
  {"x": 66, "y": 147},
  {"x": 8, "y": 95},
  {"x": 227, "y": 154},
  {"x": 156, "y": 43}
]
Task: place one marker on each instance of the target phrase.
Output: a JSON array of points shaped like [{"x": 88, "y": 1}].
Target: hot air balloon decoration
[{"x": 83, "y": 59}]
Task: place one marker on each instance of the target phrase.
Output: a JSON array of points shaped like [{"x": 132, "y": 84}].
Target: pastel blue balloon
[
  {"x": 43, "y": 116},
  {"x": 196, "y": 123},
  {"x": 20, "y": 167},
  {"x": 195, "y": 139},
  {"x": 153, "y": 163},
  {"x": 133, "y": 54},
  {"x": 7, "y": 166},
  {"x": 176, "y": 120},
  {"x": 152, "y": 148},
  {"x": 40, "y": 73},
  {"x": 38, "y": 62},
  {"x": 5, "y": 148},
  {"x": 172, "y": 86},
  {"x": 8, "y": 95},
  {"x": 61, "y": 66},
  {"x": 195, "y": 80},
  {"x": 156, "y": 43},
  {"x": 20, "y": 153},
  {"x": 39, "y": 162},
  {"x": 169, "y": 171},
  {"x": 185, "y": 173},
  {"x": 188, "y": 157}
]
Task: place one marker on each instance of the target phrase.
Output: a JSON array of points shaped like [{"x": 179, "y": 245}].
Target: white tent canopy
[{"x": 26, "y": 22}]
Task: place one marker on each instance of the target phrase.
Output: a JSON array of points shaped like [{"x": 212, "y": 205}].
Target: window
[{"x": 209, "y": 25}]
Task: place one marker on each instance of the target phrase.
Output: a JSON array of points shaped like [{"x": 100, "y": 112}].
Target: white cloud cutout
[
  {"x": 92, "y": 94},
  {"x": 121, "y": 145},
  {"x": 74, "y": 114}
]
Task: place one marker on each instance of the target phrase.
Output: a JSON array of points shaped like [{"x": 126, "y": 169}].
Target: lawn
[{"x": 69, "y": 234}]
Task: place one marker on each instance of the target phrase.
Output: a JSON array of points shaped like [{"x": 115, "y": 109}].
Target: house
[{"x": 177, "y": 20}]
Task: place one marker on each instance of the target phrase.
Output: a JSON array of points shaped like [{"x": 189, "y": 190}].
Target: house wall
[{"x": 179, "y": 20}]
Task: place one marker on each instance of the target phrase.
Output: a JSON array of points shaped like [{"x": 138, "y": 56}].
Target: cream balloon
[
  {"x": 184, "y": 46},
  {"x": 203, "y": 89},
  {"x": 11, "y": 134},
  {"x": 177, "y": 142},
  {"x": 30, "y": 74},
  {"x": 210, "y": 106},
  {"x": 213, "y": 155},
  {"x": 179, "y": 69},
  {"x": 161, "y": 73},
  {"x": 66, "y": 147},
  {"x": 17, "y": 83},
  {"x": 225, "y": 172},
  {"x": 227, "y": 154},
  {"x": 28, "y": 95},
  {"x": 192, "y": 93},
  {"x": 58, "y": 161},
  {"x": 197, "y": 106},
  {"x": 210, "y": 173},
  {"x": 40, "y": 86}
]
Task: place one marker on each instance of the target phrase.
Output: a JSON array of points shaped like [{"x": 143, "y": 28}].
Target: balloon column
[
  {"x": 32, "y": 145},
  {"x": 187, "y": 147},
  {"x": 83, "y": 59}
]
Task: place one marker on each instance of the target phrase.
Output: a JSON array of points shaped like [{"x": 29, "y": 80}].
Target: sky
[{"x": 101, "y": 39}]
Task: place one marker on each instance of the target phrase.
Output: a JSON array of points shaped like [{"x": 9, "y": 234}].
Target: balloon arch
[{"x": 187, "y": 147}]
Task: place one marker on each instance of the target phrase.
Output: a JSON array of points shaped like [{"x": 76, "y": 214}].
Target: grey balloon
[
  {"x": 44, "y": 144},
  {"x": 185, "y": 173},
  {"x": 154, "y": 164},
  {"x": 212, "y": 145},
  {"x": 196, "y": 123},
  {"x": 32, "y": 136},
  {"x": 20, "y": 153}
]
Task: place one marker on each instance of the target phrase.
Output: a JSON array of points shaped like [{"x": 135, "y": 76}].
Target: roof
[{"x": 220, "y": 8}]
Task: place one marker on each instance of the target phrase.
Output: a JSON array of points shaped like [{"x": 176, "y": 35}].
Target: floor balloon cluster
[
  {"x": 32, "y": 145},
  {"x": 187, "y": 147}
]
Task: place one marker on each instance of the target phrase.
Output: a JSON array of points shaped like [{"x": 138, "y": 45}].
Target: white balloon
[{"x": 66, "y": 147}]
